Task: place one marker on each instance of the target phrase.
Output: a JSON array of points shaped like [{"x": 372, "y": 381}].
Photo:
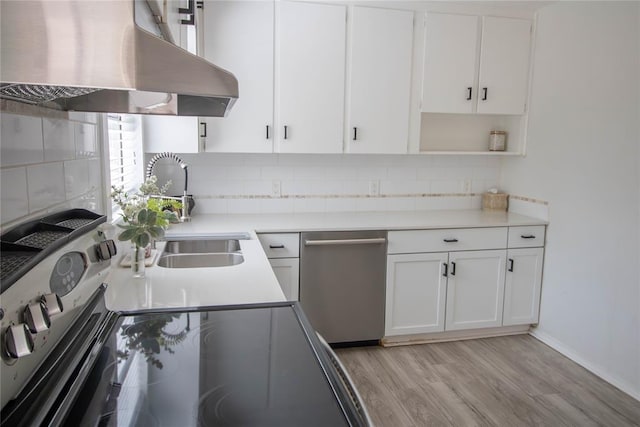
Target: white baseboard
[
  {"x": 596, "y": 370},
  {"x": 467, "y": 334}
]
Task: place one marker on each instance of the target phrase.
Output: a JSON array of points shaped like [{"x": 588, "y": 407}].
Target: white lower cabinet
[
  {"x": 478, "y": 281},
  {"x": 475, "y": 289},
  {"x": 416, "y": 292},
  {"x": 522, "y": 286},
  {"x": 287, "y": 271},
  {"x": 283, "y": 251}
]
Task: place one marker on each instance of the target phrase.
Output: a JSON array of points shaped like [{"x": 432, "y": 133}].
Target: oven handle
[
  {"x": 347, "y": 381},
  {"x": 373, "y": 241}
]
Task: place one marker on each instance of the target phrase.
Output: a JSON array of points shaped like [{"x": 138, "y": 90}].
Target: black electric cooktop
[{"x": 257, "y": 366}]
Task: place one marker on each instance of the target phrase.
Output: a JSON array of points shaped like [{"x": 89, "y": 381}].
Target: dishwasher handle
[{"x": 328, "y": 242}]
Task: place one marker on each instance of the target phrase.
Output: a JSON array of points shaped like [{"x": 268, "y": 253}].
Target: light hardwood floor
[{"x": 506, "y": 381}]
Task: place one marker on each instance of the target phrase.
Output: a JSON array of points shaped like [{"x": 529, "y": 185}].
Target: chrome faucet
[{"x": 185, "y": 199}]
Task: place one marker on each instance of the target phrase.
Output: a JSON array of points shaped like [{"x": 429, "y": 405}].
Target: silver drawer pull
[{"x": 373, "y": 241}]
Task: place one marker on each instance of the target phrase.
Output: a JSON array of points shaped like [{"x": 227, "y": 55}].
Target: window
[{"x": 125, "y": 151}]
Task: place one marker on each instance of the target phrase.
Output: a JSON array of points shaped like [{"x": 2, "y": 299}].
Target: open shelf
[{"x": 468, "y": 134}]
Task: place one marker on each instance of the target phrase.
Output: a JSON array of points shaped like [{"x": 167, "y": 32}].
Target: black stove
[{"x": 78, "y": 364}]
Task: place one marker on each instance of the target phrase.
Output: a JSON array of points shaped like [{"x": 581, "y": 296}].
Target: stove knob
[
  {"x": 18, "y": 341},
  {"x": 52, "y": 303},
  {"x": 36, "y": 317},
  {"x": 113, "y": 249},
  {"x": 102, "y": 249}
]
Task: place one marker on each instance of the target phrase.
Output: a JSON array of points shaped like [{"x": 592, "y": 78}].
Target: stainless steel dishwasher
[{"x": 342, "y": 283}]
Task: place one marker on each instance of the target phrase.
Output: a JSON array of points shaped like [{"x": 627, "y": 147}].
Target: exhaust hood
[{"x": 89, "y": 55}]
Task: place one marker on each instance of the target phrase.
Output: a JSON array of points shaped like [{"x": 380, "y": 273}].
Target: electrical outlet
[
  {"x": 275, "y": 189},
  {"x": 374, "y": 188},
  {"x": 466, "y": 186}
]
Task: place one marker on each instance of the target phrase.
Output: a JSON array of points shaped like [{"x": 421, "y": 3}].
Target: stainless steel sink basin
[
  {"x": 202, "y": 246},
  {"x": 196, "y": 260}
]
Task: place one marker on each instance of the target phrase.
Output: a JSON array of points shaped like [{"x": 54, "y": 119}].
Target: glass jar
[{"x": 497, "y": 140}]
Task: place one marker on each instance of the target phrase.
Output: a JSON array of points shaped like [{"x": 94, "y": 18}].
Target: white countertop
[
  {"x": 250, "y": 282},
  {"x": 253, "y": 280},
  {"x": 345, "y": 221}
]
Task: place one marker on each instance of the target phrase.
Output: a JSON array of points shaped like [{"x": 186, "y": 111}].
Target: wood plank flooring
[{"x": 505, "y": 381}]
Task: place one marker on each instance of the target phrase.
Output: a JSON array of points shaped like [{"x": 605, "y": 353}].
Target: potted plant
[{"x": 145, "y": 216}]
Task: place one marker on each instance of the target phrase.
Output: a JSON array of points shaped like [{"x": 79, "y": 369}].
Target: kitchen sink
[
  {"x": 202, "y": 246},
  {"x": 219, "y": 251},
  {"x": 199, "y": 260}
]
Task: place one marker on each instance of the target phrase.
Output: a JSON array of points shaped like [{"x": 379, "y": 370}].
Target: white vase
[{"x": 137, "y": 261}]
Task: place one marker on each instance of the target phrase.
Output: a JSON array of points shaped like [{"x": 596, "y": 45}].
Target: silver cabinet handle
[{"x": 373, "y": 241}]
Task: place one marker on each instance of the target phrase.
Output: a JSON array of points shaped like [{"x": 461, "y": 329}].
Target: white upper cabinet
[
  {"x": 468, "y": 69},
  {"x": 238, "y": 36},
  {"x": 379, "y": 81},
  {"x": 504, "y": 65},
  {"x": 451, "y": 50},
  {"x": 311, "y": 78}
]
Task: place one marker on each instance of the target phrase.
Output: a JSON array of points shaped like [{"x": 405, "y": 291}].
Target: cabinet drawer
[
  {"x": 445, "y": 240},
  {"x": 526, "y": 237},
  {"x": 281, "y": 245}
]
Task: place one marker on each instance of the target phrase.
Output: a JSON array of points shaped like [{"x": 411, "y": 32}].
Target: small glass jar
[{"x": 497, "y": 140}]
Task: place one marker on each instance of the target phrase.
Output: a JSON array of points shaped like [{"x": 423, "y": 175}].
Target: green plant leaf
[
  {"x": 128, "y": 234},
  {"x": 151, "y": 218},
  {"x": 142, "y": 216}
]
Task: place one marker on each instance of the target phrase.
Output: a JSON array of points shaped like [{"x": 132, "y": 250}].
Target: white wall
[
  {"x": 583, "y": 158},
  {"x": 50, "y": 160},
  {"x": 241, "y": 183}
]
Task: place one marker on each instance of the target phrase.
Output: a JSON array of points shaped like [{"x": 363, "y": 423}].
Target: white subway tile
[
  {"x": 446, "y": 186},
  {"x": 532, "y": 209},
  {"x": 277, "y": 172},
  {"x": 309, "y": 204},
  {"x": 296, "y": 188},
  {"x": 243, "y": 173},
  {"x": 341, "y": 204},
  {"x": 309, "y": 172},
  {"x": 341, "y": 173},
  {"x": 15, "y": 203},
  {"x": 371, "y": 172},
  {"x": 21, "y": 139},
  {"x": 258, "y": 188},
  {"x": 476, "y": 202},
  {"x": 86, "y": 142},
  {"x": 76, "y": 178},
  {"x": 371, "y": 204},
  {"x": 95, "y": 174},
  {"x": 276, "y": 206},
  {"x": 211, "y": 206},
  {"x": 46, "y": 185},
  {"x": 240, "y": 206},
  {"x": 401, "y": 173},
  {"x": 59, "y": 141},
  {"x": 401, "y": 204}
]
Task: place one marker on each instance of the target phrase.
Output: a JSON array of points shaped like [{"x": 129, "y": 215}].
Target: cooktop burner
[{"x": 244, "y": 367}]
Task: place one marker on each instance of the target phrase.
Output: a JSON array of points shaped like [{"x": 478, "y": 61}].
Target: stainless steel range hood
[{"x": 91, "y": 56}]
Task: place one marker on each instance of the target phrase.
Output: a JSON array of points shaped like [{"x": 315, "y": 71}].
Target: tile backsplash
[
  {"x": 274, "y": 183},
  {"x": 48, "y": 162}
]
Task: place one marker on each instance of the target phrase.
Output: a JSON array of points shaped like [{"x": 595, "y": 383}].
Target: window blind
[{"x": 125, "y": 151}]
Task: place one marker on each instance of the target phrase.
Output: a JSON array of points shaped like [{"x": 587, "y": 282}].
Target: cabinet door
[
  {"x": 311, "y": 77},
  {"x": 450, "y": 57},
  {"x": 416, "y": 292},
  {"x": 238, "y": 36},
  {"x": 380, "y": 80},
  {"x": 475, "y": 289},
  {"x": 166, "y": 133},
  {"x": 522, "y": 286},
  {"x": 504, "y": 65},
  {"x": 287, "y": 271}
]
